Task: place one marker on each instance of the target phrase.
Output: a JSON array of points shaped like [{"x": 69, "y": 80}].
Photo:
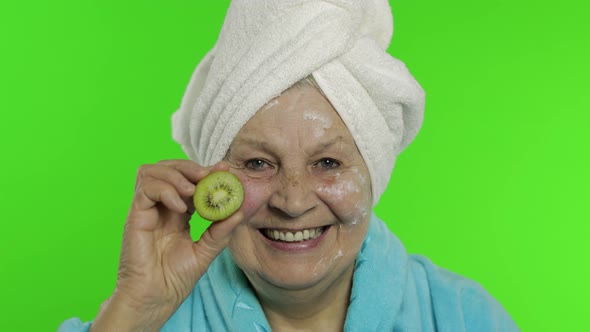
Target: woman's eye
[
  {"x": 256, "y": 164},
  {"x": 328, "y": 163}
]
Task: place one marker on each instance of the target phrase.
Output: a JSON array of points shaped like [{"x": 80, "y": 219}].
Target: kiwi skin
[{"x": 218, "y": 195}]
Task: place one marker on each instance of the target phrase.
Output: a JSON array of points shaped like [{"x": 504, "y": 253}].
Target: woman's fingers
[
  {"x": 152, "y": 191},
  {"x": 167, "y": 183},
  {"x": 169, "y": 174},
  {"x": 182, "y": 174},
  {"x": 189, "y": 169},
  {"x": 172, "y": 184}
]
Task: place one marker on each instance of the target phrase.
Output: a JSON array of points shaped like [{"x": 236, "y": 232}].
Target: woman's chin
[
  {"x": 302, "y": 274},
  {"x": 284, "y": 281}
]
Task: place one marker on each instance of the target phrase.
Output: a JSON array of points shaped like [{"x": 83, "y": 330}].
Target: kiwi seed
[{"x": 218, "y": 195}]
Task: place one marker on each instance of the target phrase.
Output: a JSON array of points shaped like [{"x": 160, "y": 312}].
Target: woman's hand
[{"x": 160, "y": 263}]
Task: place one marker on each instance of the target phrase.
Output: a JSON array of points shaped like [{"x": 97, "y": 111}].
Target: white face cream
[{"x": 319, "y": 121}]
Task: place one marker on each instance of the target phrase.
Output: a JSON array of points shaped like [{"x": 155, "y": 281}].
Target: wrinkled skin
[{"x": 301, "y": 170}]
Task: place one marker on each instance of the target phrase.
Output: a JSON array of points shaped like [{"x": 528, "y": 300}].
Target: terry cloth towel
[
  {"x": 265, "y": 46},
  {"x": 392, "y": 291}
]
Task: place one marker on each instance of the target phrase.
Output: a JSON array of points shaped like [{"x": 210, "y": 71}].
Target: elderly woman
[{"x": 300, "y": 100}]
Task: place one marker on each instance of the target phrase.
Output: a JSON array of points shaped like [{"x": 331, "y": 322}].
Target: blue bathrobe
[{"x": 392, "y": 291}]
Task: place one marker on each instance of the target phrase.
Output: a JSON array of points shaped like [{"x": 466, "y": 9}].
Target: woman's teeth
[{"x": 298, "y": 236}]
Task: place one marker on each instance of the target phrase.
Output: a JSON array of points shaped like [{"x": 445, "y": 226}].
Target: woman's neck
[{"x": 320, "y": 308}]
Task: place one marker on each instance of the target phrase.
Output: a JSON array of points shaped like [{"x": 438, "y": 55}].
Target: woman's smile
[
  {"x": 294, "y": 240},
  {"x": 294, "y": 235}
]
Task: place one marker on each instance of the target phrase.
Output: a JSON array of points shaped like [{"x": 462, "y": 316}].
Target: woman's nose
[{"x": 293, "y": 195}]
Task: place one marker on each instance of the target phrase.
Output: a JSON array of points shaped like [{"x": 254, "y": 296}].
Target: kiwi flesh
[{"x": 218, "y": 195}]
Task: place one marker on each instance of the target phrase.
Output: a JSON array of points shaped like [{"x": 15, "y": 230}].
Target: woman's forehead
[
  {"x": 299, "y": 105},
  {"x": 298, "y": 111}
]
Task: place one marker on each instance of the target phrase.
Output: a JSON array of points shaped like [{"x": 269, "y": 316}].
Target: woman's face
[{"x": 308, "y": 194}]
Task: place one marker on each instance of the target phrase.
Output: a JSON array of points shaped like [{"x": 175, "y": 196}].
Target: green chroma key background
[{"x": 495, "y": 187}]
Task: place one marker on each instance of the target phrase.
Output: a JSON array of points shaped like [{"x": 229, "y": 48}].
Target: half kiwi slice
[{"x": 218, "y": 195}]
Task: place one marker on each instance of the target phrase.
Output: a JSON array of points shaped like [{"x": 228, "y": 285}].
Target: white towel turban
[{"x": 265, "y": 46}]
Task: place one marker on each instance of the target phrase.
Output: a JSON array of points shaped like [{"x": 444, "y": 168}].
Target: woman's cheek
[
  {"x": 256, "y": 194},
  {"x": 347, "y": 195}
]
